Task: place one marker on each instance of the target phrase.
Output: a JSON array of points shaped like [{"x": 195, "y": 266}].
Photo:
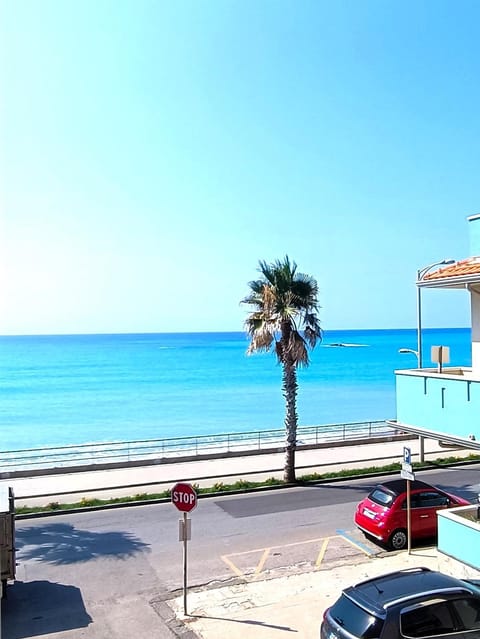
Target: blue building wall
[
  {"x": 440, "y": 404},
  {"x": 458, "y": 539}
]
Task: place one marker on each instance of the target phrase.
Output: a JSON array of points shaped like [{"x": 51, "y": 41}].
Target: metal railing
[{"x": 181, "y": 447}]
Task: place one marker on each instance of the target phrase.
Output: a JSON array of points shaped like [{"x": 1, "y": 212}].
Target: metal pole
[
  {"x": 419, "y": 324},
  {"x": 409, "y": 521},
  {"x": 185, "y": 563},
  {"x": 420, "y": 275}
]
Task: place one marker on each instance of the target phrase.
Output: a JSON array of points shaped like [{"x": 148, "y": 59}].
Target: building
[{"x": 443, "y": 403}]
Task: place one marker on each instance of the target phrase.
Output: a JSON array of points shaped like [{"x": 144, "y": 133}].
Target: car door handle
[{"x": 424, "y": 516}]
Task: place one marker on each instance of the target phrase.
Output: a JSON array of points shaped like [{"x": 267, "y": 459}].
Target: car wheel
[{"x": 398, "y": 539}]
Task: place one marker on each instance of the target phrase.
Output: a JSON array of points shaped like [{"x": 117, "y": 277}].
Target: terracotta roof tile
[{"x": 470, "y": 266}]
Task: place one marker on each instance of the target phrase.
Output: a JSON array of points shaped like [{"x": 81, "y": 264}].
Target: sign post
[
  {"x": 184, "y": 498},
  {"x": 408, "y": 474},
  {"x": 409, "y": 520}
]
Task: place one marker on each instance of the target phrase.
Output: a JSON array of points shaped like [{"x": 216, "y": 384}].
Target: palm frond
[
  {"x": 296, "y": 350},
  {"x": 262, "y": 340},
  {"x": 285, "y": 303}
]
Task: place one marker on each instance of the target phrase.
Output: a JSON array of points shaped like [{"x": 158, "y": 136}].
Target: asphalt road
[{"x": 117, "y": 567}]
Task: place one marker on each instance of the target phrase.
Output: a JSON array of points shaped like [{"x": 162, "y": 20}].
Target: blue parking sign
[{"x": 407, "y": 455}]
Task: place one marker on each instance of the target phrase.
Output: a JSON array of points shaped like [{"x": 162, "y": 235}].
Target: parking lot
[{"x": 319, "y": 553}]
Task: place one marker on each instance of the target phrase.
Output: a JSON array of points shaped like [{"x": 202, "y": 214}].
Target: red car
[{"x": 383, "y": 514}]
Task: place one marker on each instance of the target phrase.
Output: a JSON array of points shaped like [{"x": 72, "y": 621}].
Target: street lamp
[
  {"x": 420, "y": 275},
  {"x": 409, "y": 350}
]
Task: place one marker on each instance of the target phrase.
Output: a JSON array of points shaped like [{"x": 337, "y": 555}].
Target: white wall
[{"x": 475, "y": 312}]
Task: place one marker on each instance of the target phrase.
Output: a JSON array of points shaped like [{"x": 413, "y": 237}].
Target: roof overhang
[
  {"x": 469, "y": 282},
  {"x": 431, "y": 434},
  {"x": 461, "y": 274}
]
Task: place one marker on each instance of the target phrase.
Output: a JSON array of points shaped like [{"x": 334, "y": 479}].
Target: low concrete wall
[
  {"x": 451, "y": 566},
  {"x": 459, "y": 540}
]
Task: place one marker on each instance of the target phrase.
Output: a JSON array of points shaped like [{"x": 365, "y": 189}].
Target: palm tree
[{"x": 284, "y": 316}]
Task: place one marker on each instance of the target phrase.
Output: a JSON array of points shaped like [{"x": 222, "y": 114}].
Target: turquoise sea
[{"x": 72, "y": 389}]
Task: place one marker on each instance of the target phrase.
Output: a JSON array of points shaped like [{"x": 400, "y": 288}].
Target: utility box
[{"x": 7, "y": 537}]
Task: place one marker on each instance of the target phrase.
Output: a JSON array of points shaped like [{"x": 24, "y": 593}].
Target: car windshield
[
  {"x": 381, "y": 497},
  {"x": 355, "y": 620}
]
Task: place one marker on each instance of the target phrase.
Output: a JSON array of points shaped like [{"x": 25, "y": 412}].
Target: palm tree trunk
[{"x": 290, "y": 388}]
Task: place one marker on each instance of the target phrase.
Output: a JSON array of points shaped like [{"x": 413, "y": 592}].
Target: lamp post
[
  {"x": 420, "y": 275},
  {"x": 409, "y": 350}
]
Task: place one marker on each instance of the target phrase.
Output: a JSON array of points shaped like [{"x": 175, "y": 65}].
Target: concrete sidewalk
[{"x": 293, "y": 604}]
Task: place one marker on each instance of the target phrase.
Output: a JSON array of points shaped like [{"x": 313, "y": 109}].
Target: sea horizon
[
  {"x": 87, "y": 388},
  {"x": 324, "y": 331}
]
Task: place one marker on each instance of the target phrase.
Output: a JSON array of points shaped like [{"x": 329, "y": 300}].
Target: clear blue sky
[{"x": 152, "y": 152}]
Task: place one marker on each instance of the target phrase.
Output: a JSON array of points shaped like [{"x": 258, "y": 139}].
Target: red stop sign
[{"x": 184, "y": 497}]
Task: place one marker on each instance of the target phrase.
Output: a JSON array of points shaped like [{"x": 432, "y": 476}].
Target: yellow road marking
[
  {"x": 295, "y": 543},
  {"x": 232, "y": 566},
  {"x": 266, "y": 552},
  {"x": 262, "y": 561},
  {"x": 322, "y": 552}
]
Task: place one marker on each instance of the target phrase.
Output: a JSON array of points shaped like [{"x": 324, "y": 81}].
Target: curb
[{"x": 239, "y": 491}]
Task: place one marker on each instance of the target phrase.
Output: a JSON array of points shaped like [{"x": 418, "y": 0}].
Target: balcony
[{"x": 442, "y": 404}]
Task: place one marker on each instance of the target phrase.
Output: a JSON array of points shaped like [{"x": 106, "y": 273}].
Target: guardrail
[{"x": 176, "y": 447}]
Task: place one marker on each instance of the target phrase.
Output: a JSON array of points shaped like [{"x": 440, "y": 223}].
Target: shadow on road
[
  {"x": 42, "y": 608},
  {"x": 64, "y": 544}
]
